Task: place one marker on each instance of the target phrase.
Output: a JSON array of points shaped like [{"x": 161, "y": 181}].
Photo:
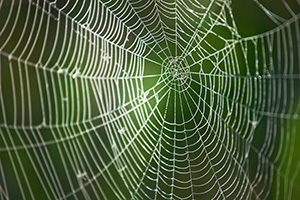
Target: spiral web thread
[{"x": 137, "y": 99}]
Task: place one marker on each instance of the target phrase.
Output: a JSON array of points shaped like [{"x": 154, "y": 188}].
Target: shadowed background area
[{"x": 140, "y": 99}]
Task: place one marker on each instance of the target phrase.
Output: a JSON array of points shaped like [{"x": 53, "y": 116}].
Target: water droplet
[
  {"x": 76, "y": 74},
  {"x": 122, "y": 169},
  {"x": 143, "y": 96},
  {"x": 254, "y": 123},
  {"x": 156, "y": 97},
  {"x": 106, "y": 57},
  {"x": 44, "y": 124},
  {"x": 122, "y": 130},
  {"x": 60, "y": 71},
  {"x": 82, "y": 175}
]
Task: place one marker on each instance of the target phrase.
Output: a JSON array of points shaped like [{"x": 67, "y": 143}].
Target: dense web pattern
[{"x": 149, "y": 99}]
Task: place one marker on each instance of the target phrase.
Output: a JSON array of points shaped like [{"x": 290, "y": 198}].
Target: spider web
[{"x": 161, "y": 99}]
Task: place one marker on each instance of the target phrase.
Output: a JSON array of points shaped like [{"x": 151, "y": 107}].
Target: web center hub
[{"x": 176, "y": 74}]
